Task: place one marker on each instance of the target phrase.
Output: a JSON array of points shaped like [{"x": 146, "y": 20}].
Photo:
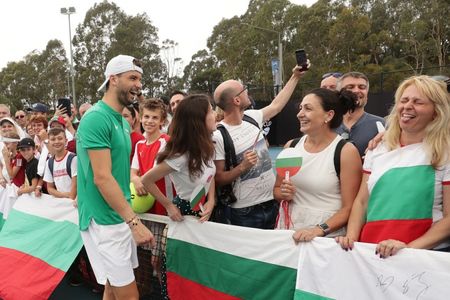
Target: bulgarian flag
[
  {"x": 198, "y": 197},
  {"x": 38, "y": 243},
  {"x": 326, "y": 271},
  {"x": 287, "y": 164},
  {"x": 288, "y": 161},
  {"x": 216, "y": 261},
  {"x": 8, "y": 197},
  {"x": 402, "y": 193}
]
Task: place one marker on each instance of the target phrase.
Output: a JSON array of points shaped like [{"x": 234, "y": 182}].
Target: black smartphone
[
  {"x": 302, "y": 60},
  {"x": 65, "y": 103}
]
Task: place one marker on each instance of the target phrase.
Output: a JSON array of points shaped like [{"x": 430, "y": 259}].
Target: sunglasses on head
[
  {"x": 334, "y": 74},
  {"x": 448, "y": 85}
]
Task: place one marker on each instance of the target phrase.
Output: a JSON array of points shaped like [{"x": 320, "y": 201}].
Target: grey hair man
[{"x": 359, "y": 127}]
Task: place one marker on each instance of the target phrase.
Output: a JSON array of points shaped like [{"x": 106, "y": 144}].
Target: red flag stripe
[
  {"x": 25, "y": 276},
  {"x": 182, "y": 288}
]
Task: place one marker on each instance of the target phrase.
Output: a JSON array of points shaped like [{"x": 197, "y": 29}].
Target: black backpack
[
  {"x": 51, "y": 162},
  {"x": 337, "y": 154},
  {"x": 225, "y": 193}
]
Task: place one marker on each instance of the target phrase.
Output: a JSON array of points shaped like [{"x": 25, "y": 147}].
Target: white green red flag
[
  {"x": 198, "y": 197},
  {"x": 326, "y": 271},
  {"x": 216, "y": 261},
  {"x": 38, "y": 243},
  {"x": 288, "y": 160}
]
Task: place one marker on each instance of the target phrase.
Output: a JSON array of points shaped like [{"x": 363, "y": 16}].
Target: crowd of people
[{"x": 357, "y": 182}]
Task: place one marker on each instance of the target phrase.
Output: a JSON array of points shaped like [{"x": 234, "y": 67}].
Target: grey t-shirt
[{"x": 361, "y": 132}]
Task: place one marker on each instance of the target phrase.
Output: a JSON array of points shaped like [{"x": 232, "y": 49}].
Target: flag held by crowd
[
  {"x": 38, "y": 243},
  {"x": 216, "y": 261},
  {"x": 325, "y": 271}
]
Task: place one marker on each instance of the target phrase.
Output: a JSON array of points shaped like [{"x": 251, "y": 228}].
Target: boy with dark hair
[
  {"x": 61, "y": 171},
  {"x": 26, "y": 148}
]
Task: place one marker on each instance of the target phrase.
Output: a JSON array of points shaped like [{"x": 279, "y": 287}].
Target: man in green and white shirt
[{"x": 109, "y": 228}]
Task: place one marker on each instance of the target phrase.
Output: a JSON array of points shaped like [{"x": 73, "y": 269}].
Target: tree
[
  {"x": 202, "y": 73},
  {"x": 92, "y": 42}
]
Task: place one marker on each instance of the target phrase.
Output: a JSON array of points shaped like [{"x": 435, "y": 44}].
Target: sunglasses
[
  {"x": 448, "y": 85},
  {"x": 334, "y": 74},
  {"x": 20, "y": 116},
  {"x": 243, "y": 90}
]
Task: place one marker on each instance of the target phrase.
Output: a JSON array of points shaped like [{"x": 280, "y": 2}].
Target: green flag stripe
[
  {"x": 288, "y": 162},
  {"x": 414, "y": 200},
  {"x": 197, "y": 198},
  {"x": 236, "y": 276},
  {"x": 50, "y": 241},
  {"x": 303, "y": 295},
  {"x": 1, "y": 221}
]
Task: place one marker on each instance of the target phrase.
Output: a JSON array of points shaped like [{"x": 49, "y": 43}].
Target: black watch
[{"x": 325, "y": 228}]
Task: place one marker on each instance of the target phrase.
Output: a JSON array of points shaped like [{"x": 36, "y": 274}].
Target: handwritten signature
[{"x": 415, "y": 286}]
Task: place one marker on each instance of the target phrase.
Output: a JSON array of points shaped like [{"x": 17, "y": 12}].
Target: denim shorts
[{"x": 262, "y": 215}]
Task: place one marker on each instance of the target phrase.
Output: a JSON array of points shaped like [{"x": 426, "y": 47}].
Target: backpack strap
[
  {"x": 294, "y": 142},
  {"x": 230, "y": 152},
  {"x": 51, "y": 163},
  {"x": 250, "y": 120},
  {"x": 337, "y": 157},
  {"x": 69, "y": 163}
]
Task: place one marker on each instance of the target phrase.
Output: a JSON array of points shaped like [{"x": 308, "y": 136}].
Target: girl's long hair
[
  {"x": 189, "y": 135},
  {"x": 437, "y": 132}
]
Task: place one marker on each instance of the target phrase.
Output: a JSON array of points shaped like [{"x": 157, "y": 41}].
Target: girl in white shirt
[{"x": 187, "y": 159}]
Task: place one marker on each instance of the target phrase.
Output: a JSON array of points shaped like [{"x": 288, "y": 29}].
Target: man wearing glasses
[
  {"x": 252, "y": 178},
  {"x": 21, "y": 119},
  {"x": 359, "y": 127},
  {"x": 329, "y": 80}
]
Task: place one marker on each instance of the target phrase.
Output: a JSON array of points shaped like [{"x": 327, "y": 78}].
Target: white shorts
[{"x": 112, "y": 253}]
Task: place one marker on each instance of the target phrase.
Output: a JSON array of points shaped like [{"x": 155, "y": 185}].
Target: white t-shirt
[
  {"x": 318, "y": 192},
  {"x": 60, "y": 178},
  {"x": 184, "y": 184},
  {"x": 256, "y": 185}
]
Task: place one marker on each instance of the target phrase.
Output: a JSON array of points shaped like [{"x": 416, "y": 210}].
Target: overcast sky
[{"x": 29, "y": 25}]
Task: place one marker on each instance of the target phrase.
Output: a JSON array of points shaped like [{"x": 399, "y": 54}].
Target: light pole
[
  {"x": 68, "y": 12},
  {"x": 280, "y": 52}
]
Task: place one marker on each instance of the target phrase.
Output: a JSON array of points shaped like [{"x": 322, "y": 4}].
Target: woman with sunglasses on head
[
  {"x": 129, "y": 113},
  {"x": 320, "y": 195},
  {"x": 404, "y": 198}
]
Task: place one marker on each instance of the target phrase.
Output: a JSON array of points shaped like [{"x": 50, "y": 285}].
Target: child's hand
[
  {"x": 207, "y": 211},
  {"x": 139, "y": 187},
  {"x": 38, "y": 191},
  {"x": 6, "y": 154},
  {"x": 75, "y": 203},
  {"x": 20, "y": 190}
]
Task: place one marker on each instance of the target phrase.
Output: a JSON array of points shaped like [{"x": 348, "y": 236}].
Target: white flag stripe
[
  {"x": 45, "y": 207},
  {"x": 270, "y": 246},
  {"x": 325, "y": 269}
]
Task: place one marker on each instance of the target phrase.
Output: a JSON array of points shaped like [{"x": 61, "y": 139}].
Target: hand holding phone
[
  {"x": 302, "y": 60},
  {"x": 65, "y": 103}
]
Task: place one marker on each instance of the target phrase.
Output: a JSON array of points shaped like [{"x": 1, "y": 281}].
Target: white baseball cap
[{"x": 119, "y": 64}]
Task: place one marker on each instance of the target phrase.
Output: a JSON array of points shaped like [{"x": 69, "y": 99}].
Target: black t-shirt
[{"x": 31, "y": 169}]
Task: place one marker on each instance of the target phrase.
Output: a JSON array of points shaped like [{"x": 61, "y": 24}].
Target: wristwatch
[{"x": 325, "y": 228}]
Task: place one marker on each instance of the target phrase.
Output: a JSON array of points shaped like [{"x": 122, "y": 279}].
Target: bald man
[
  {"x": 252, "y": 178},
  {"x": 329, "y": 80}
]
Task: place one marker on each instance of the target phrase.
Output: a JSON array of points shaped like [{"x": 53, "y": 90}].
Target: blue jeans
[{"x": 261, "y": 215}]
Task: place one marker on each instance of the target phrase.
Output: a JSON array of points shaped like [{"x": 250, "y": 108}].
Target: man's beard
[{"x": 123, "y": 97}]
